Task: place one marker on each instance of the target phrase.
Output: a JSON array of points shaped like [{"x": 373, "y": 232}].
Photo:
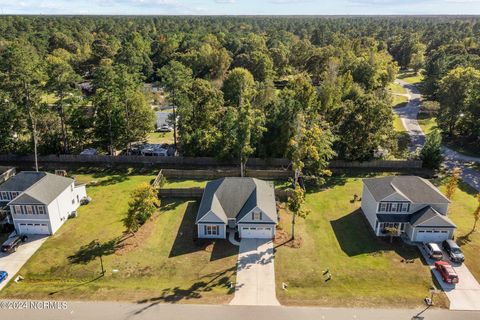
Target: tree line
[{"x": 308, "y": 88}]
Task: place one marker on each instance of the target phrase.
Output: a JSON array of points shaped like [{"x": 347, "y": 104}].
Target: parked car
[
  {"x": 453, "y": 251},
  {"x": 3, "y": 276},
  {"x": 447, "y": 272},
  {"x": 89, "y": 152},
  {"x": 13, "y": 243},
  {"x": 164, "y": 128},
  {"x": 434, "y": 251}
]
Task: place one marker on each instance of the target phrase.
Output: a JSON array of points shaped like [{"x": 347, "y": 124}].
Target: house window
[
  {"x": 212, "y": 230},
  {"x": 382, "y": 207},
  {"x": 18, "y": 209},
  {"x": 29, "y": 209},
  {"x": 256, "y": 215},
  {"x": 15, "y": 194},
  {"x": 3, "y": 195},
  {"x": 405, "y": 207},
  {"x": 41, "y": 210}
]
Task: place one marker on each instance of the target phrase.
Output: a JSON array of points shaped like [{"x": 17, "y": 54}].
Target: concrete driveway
[
  {"x": 14, "y": 261},
  {"x": 463, "y": 296},
  {"x": 255, "y": 273}
]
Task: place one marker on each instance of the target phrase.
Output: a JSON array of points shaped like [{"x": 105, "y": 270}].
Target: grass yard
[
  {"x": 428, "y": 124},
  {"x": 161, "y": 263},
  {"x": 397, "y": 124},
  {"x": 180, "y": 183},
  {"x": 411, "y": 77},
  {"x": 399, "y": 101},
  {"x": 396, "y": 88},
  {"x": 366, "y": 271},
  {"x": 160, "y": 137}
]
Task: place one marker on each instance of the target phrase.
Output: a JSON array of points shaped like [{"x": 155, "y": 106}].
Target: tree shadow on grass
[
  {"x": 186, "y": 241},
  {"x": 95, "y": 249},
  {"x": 207, "y": 283},
  {"x": 356, "y": 237}
]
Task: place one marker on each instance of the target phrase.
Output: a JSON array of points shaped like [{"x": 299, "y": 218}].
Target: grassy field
[
  {"x": 397, "y": 124},
  {"x": 399, "y": 101},
  {"x": 366, "y": 271},
  {"x": 161, "y": 263},
  {"x": 396, "y": 88},
  {"x": 179, "y": 183},
  {"x": 428, "y": 124},
  {"x": 411, "y": 77},
  {"x": 160, "y": 137}
]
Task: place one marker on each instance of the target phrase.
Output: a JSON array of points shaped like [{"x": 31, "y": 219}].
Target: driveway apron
[
  {"x": 14, "y": 261},
  {"x": 255, "y": 273},
  {"x": 465, "y": 295}
]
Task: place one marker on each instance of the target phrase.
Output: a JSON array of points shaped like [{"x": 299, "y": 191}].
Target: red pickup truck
[{"x": 447, "y": 272}]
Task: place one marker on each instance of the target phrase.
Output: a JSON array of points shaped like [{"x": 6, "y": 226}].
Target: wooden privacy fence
[
  {"x": 158, "y": 179},
  {"x": 377, "y": 164},
  {"x": 167, "y": 161},
  {"x": 267, "y": 174},
  {"x": 197, "y": 193},
  {"x": 8, "y": 172},
  {"x": 185, "y": 162},
  {"x": 190, "y": 193}
]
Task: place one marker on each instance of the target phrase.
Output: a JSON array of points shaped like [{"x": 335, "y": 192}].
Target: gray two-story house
[{"x": 409, "y": 204}]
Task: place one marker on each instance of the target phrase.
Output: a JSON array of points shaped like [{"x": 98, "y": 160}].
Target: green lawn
[
  {"x": 399, "y": 101},
  {"x": 366, "y": 271},
  {"x": 396, "y": 88},
  {"x": 397, "y": 124},
  {"x": 161, "y": 263},
  {"x": 180, "y": 183},
  {"x": 411, "y": 77},
  {"x": 428, "y": 124},
  {"x": 160, "y": 137}
]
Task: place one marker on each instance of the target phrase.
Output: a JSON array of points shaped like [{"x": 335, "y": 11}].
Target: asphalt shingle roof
[
  {"x": 416, "y": 189},
  {"x": 22, "y": 181},
  {"x": 38, "y": 187},
  {"x": 428, "y": 213},
  {"x": 385, "y": 217},
  {"x": 233, "y": 198}
]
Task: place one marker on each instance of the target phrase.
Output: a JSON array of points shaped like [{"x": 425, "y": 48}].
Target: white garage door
[
  {"x": 432, "y": 235},
  {"x": 257, "y": 232},
  {"x": 33, "y": 228}
]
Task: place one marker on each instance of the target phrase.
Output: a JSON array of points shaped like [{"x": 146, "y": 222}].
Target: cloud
[{"x": 225, "y": 1}]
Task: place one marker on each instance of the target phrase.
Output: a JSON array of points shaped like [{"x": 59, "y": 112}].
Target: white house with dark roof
[
  {"x": 412, "y": 205},
  {"x": 246, "y": 205},
  {"x": 40, "y": 202}
]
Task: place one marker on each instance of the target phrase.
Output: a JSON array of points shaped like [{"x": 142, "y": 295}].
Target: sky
[{"x": 241, "y": 7}]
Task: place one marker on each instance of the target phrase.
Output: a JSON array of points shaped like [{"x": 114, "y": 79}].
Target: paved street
[
  {"x": 463, "y": 296},
  {"x": 131, "y": 311},
  {"x": 255, "y": 273},
  {"x": 408, "y": 115},
  {"x": 14, "y": 261}
]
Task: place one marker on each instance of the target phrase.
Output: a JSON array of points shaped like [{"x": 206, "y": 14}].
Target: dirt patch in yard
[{"x": 132, "y": 242}]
